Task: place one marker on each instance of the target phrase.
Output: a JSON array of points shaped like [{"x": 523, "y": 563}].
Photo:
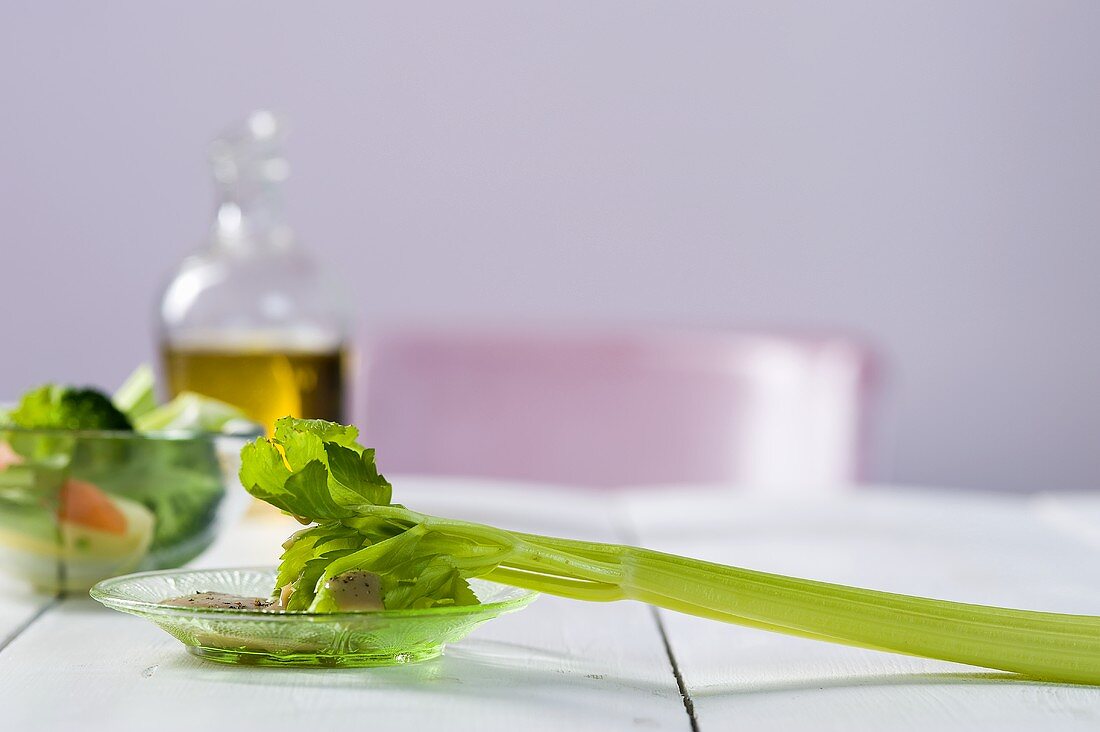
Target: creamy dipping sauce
[
  {"x": 223, "y": 600},
  {"x": 356, "y": 590},
  {"x": 351, "y": 591}
]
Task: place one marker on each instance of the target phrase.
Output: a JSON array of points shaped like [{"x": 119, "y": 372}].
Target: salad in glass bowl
[{"x": 92, "y": 486}]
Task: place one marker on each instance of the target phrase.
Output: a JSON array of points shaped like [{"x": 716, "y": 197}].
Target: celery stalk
[
  {"x": 1046, "y": 646},
  {"x": 318, "y": 472}
]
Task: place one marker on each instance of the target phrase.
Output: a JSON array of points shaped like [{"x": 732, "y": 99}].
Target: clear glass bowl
[
  {"x": 370, "y": 638},
  {"x": 79, "y": 506}
]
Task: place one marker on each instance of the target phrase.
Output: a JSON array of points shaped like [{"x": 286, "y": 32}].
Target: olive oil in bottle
[
  {"x": 266, "y": 384},
  {"x": 250, "y": 318}
]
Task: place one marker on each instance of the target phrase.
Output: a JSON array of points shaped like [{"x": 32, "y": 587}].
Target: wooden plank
[
  {"x": 970, "y": 548},
  {"x": 558, "y": 665}
]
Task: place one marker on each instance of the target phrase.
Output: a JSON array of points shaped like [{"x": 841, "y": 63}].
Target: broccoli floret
[{"x": 67, "y": 408}]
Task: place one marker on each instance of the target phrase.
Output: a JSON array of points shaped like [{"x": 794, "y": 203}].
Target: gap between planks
[
  {"x": 23, "y": 626},
  {"x": 625, "y": 530}
]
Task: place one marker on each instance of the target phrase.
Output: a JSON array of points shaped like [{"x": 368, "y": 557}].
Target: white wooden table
[{"x": 562, "y": 665}]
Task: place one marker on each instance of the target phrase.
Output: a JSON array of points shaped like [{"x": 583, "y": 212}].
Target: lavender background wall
[{"x": 923, "y": 173}]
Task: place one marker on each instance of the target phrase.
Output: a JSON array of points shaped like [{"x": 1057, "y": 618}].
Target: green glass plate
[{"x": 374, "y": 638}]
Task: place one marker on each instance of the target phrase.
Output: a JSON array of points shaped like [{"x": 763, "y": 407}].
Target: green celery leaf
[
  {"x": 309, "y": 476},
  {"x": 428, "y": 582},
  {"x": 310, "y": 543},
  {"x": 418, "y": 567},
  {"x": 344, "y": 435},
  {"x": 312, "y": 580},
  {"x": 353, "y": 477},
  {"x": 302, "y": 493}
]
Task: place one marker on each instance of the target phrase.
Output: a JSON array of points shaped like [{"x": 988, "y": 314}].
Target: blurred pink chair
[{"x": 618, "y": 409}]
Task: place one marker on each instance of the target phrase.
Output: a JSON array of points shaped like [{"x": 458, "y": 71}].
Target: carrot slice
[
  {"x": 8, "y": 456},
  {"x": 85, "y": 504}
]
